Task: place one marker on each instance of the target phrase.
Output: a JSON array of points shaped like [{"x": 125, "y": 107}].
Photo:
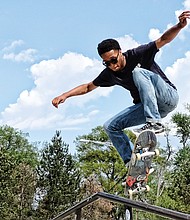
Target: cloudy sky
[{"x": 48, "y": 47}]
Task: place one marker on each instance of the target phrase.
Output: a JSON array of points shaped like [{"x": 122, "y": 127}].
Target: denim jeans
[{"x": 158, "y": 98}]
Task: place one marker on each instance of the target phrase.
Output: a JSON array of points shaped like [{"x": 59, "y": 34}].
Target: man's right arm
[
  {"x": 171, "y": 33},
  {"x": 79, "y": 90}
]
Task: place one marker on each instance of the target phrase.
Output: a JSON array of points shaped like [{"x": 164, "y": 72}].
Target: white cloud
[
  {"x": 127, "y": 42},
  {"x": 13, "y": 45},
  {"x": 154, "y": 34},
  {"x": 186, "y": 4},
  {"x": 23, "y": 56},
  {"x": 33, "y": 109},
  {"x": 179, "y": 73},
  {"x": 13, "y": 52}
]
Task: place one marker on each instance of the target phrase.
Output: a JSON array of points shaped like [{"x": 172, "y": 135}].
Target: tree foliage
[
  {"x": 180, "y": 179},
  {"x": 18, "y": 159},
  {"x": 101, "y": 209},
  {"x": 53, "y": 176},
  {"x": 99, "y": 158},
  {"x": 182, "y": 122},
  {"x": 59, "y": 178}
]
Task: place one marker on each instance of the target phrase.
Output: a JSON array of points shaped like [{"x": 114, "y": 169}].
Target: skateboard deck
[{"x": 139, "y": 166}]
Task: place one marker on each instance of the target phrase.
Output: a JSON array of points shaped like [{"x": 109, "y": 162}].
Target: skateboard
[{"x": 140, "y": 163}]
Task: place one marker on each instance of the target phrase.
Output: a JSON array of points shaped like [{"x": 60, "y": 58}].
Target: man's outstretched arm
[
  {"x": 79, "y": 90},
  {"x": 170, "y": 34}
]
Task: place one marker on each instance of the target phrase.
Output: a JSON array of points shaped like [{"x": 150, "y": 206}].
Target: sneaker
[{"x": 155, "y": 127}]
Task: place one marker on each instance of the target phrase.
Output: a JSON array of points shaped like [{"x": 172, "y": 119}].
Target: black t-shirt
[{"x": 142, "y": 56}]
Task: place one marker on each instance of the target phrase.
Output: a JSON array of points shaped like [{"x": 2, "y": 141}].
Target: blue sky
[{"x": 48, "y": 47}]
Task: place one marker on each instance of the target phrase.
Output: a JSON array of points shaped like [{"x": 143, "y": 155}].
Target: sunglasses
[{"x": 113, "y": 60}]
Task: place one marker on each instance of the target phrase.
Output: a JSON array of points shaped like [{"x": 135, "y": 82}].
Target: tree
[
  {"x": 25, "y": 186},
  {"x": 100, "y": 209},
  {"x": 18, "y": 160},
  {"x": 7, "y": 165},
  {"x": 98, "y": 157},
  {"x": 162, "y": 166},
  {"x": 159, "y": 181},
  {"x": 180, "y": 175},
  {"x": 180, "y": 180},
  {"x": 182, "y": 122},
  {"x": 59, "y": 178}
]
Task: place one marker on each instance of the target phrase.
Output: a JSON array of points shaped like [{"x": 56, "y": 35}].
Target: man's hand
[
  {"x": 183, "y": 18},
  {"x": 58, "y": 100}
]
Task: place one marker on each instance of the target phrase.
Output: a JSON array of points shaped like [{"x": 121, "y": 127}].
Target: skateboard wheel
[
  {"x": 130, "y": 191},
  {"x": 157, "y": 153},
  {"x": 147, "y": 188},
  {"x": 138, "y": 156}
]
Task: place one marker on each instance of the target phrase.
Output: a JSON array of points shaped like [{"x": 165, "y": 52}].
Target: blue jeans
[{"x": 158, "y": 98}]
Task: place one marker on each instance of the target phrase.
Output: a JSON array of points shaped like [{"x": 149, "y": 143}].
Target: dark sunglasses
[{"x": 113, "y": 60}]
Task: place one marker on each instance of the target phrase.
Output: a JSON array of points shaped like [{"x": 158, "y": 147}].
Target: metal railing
[{"x": 77, "y": 209}]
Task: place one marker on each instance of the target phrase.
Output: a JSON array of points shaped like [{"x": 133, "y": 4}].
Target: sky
[{"x": 49, "y": 47}]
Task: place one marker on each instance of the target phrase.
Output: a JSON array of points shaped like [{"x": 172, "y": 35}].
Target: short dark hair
[{"x": 107, "y": 45}]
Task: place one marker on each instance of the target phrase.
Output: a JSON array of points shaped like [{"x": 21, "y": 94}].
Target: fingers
[
  {"x": 183, "y": 18},
  {"x": 58, "y": 100},
  {"x": 184, "y": 15},
  {"x": 55, "y": 102}
]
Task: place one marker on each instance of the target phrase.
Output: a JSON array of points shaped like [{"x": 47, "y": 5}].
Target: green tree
[
  {"x": 7, "y": 165},
  {"x": 179, "y": 189},
  {"x": 182, "y": 122},
  {"x": 180, "y": 180},
  {"x": 59, "y": 178},
  {"x": 25, "y": 179},
  {"x": 18, "y": 160},
  {"x": 98, "y": 157},
  {"x": 16, "y": 141}
]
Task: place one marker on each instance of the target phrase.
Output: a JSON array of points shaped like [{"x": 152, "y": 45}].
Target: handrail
[{"x": 130, "y": 203}]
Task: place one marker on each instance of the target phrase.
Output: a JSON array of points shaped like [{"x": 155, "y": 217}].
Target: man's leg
[
  {"x": 129, "y": 117},
  {"x": 157, "y": 96}
]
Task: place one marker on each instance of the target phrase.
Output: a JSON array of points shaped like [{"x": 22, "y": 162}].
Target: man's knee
[
  {"x": 138, "y": 73},
  {"x": 110, "y": 126}
]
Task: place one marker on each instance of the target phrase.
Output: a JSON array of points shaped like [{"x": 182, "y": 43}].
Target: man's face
[{"x": 114, "y": 60}]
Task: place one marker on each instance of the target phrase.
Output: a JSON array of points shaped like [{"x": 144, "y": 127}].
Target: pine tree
[{"x": 59, "y": 178}]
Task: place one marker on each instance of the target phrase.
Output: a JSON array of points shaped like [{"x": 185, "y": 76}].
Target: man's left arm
[{"x": 171, "y": 33}]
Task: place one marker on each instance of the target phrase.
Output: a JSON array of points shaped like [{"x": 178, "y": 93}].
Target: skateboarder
[{"x": 154, "y": 96}]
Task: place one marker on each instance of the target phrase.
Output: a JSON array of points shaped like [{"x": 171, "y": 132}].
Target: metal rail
[{"x": 129, "y": 203}]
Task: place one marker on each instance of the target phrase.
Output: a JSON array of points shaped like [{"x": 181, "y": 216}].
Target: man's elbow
[{"x": 161, "y": 42}]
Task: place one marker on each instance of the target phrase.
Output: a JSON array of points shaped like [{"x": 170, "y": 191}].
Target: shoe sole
[{"x": 155, "y": 131}]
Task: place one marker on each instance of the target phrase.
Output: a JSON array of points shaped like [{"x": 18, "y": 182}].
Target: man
[{"x": 154, "y": 96}]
